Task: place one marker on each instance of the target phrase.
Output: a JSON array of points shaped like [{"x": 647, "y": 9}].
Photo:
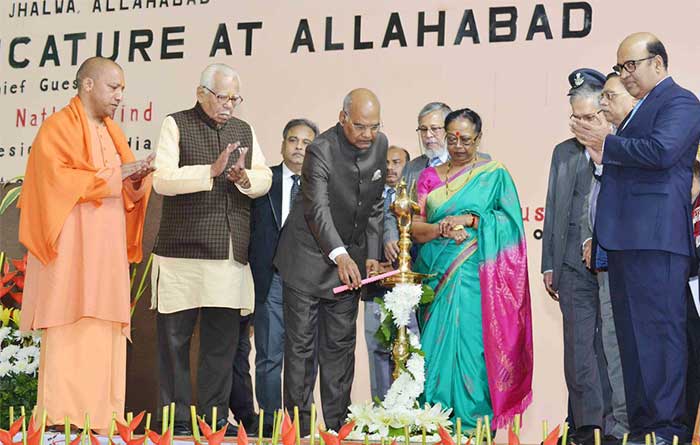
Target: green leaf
[
  {"x": 9, "y": 199},
  {"x": 428, "y": 295}
]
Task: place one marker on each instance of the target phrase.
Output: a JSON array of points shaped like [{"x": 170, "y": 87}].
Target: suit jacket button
[{"x": 359, "y": 203}]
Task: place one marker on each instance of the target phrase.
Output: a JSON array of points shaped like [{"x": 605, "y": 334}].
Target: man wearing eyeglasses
[
  {"x": 643, "y": 222},
  {"x": 431, "y": 137},
  {"x": 566, "y": 278},
  {"x": 209, "y": 166},
  {"x": 332, "y": 236},
  {"x": 616, "y": 103}
]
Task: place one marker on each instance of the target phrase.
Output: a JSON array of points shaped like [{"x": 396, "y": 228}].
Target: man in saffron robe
[{"x": 82, "y": 221}]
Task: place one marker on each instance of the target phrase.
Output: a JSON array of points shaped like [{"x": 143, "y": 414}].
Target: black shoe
[
  {"x": 611, "y": 440},
  {"x": 182, "y": 429},
  {"x": 231, "y": 431},
  {"x": 570, "y": 440},
  {"x": 267, "y": 431},
  {"x": 251, "y": 424}
]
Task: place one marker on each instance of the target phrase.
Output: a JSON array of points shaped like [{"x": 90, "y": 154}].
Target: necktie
[
  {"x": 390, "y": 194},
  {"x": 294, "y": 191}
]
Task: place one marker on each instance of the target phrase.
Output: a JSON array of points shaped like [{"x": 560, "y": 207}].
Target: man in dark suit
[
  {"x": 565, "y": 276},
  {"x": 268, "y": 215},
  {"x": 643, "y": 221},
  {"x": 332, "y": 236}
]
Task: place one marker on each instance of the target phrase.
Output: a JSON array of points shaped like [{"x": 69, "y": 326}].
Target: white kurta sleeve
[
  {"x": 259, "y": 174},
  {"x": 170, "y": 179}
]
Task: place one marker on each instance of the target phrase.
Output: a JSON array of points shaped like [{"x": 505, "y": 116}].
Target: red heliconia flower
[
  {"x": 288, "y": 431},
  {"x": 6, "y": 278},
  {"x": 20, "y": 265},
  {"x": 93, "y": 439},
  {"x": 332, "y": 439},
  {"x": 445, "y": 437},
  {"x": 126, "y": 432},
  {"x": 552, "y": 437},
  {"x": 19, "y": 281},
  {"x": 512, "y": 437},
  {"x": 5, "y": 290},
  {"x": 7, "y": 435},
  {"x": 33, "y": 433},
  {"x": 329, "y": 438},
  {"x": 345, "y": 430},
  {"x": 17, "y": 296},
  {"x": 213, "y": 437},
  {"x": 157, "y": 439},
  {"x": 242, "y": 437}
]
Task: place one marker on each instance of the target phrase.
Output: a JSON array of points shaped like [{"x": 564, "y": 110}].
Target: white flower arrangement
[
  {"x": 400, "y": 408},
  {"x": 19, "y": 353}
]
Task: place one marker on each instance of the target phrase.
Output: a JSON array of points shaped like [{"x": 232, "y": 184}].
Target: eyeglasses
[
  {"x": 361, "y": 128},
  {"x": 610, "y": 95},
  {"x": 586, "y": 117},
  {"x": 223, "y": 99},
  {"x": 454, "y": 141},
  {"x": 630, "y": 66},
  {"x": 434, "y": 129}
]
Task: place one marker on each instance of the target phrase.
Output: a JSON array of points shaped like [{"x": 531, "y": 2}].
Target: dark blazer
[
  {"x": 644, "y": 201},
  {"x": 265, "y": 226},
  {"x": 568, "y": 161},
  {"x": 340, "y": 204}
]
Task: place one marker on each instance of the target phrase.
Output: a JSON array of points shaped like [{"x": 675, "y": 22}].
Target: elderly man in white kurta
[{"x": 209, "y": 167}]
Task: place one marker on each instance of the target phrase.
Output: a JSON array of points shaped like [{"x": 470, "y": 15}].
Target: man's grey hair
[
  {"x": 587, "y": 92},
  {"x": 207, "y": 77},
  {"x": 433, "y": 107}
]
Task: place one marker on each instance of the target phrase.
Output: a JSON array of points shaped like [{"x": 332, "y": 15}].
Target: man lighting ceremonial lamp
[
  {"x": 83, "y": 205},
  {"x": 332, "y": 235}
]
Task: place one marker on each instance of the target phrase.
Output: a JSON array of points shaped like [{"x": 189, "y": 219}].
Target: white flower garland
[
  {"x": 19, "y": 353},
  {"x": 400, "y": 407}
]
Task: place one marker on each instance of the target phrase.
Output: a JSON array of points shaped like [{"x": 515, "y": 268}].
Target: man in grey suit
[
  {"x": 565, "y": 276},
  {"x": 332, "y": 236},
  {"x": 616, "y": 103},
  {"x": 431, "y": 134}
]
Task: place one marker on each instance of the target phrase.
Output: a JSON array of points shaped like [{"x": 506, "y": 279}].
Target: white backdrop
[{"x": 518, "y": 86}]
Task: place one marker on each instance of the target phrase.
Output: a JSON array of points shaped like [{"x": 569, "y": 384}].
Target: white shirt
[{"x": 287, "y": 183}]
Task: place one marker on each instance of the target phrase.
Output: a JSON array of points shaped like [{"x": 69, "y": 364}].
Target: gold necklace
[{"x": 447, "y": 174}]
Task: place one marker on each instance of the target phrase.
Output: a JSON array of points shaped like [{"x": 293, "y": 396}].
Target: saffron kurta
[{"x": 81, "y": 300}]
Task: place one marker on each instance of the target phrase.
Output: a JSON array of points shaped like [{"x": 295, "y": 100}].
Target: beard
[{"x": 430, "y": 153}]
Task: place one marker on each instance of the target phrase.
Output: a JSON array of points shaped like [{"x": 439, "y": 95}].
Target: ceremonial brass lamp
[{"x": 404, "y": 209}]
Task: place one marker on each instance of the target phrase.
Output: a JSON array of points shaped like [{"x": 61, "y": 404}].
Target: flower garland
[
  {"x": 400, "y": 407},
  {"x": 19, "y": 353}
]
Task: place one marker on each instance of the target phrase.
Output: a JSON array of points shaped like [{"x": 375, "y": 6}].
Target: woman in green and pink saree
[{"x": 477, "y": 333}]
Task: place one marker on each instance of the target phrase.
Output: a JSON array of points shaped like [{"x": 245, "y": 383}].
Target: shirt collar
[{"x": 286, "y": 172}]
